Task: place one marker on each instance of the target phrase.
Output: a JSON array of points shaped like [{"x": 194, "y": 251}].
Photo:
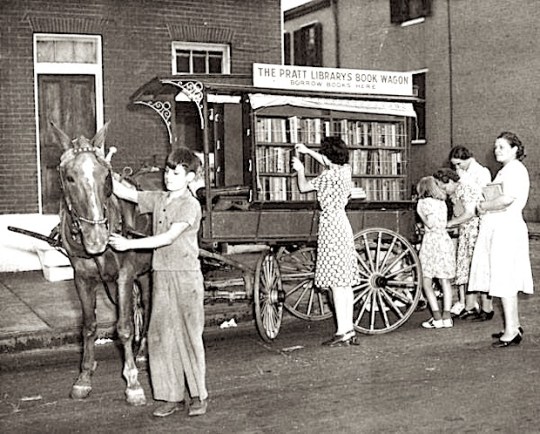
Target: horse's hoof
[
  {"x": 135, "y": 397},
  {"x": 80, "y": 392}
]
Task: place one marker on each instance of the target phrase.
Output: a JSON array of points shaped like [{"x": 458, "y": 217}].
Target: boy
[{"x": 175, "y": 344}]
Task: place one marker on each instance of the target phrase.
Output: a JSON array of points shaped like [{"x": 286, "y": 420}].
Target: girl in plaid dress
[{"x": 336, "y": 267}]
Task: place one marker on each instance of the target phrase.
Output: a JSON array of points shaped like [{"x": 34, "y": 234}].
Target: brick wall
[
  {"x": 483, "y": 60},
  {"x": 136, "y": 38}
]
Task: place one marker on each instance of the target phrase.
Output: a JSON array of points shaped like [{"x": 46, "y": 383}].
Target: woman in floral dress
[
  {"x": 437, "y": 253},
  {"x": 336, "y": 267},
  {"x": 466, "y": 194}
]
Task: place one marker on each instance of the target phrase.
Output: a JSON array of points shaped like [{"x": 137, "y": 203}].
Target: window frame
[{"x": 201, "y": 47}]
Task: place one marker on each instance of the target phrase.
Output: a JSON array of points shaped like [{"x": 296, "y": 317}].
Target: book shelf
[{"x": 378, "y": 146}]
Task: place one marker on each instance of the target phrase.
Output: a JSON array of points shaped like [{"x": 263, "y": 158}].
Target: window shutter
[
  {"x": 287, "y": 48},
  {"x": 299, "y": 47}
]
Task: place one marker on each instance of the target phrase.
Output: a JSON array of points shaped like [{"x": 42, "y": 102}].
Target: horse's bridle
[{"x": 67, "y": 156}]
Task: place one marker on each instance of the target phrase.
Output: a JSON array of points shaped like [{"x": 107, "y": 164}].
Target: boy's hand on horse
[{"x": 118, "y": 242}]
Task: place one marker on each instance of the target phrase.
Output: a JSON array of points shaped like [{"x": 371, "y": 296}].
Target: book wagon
[{"x": 258, "y": 236}]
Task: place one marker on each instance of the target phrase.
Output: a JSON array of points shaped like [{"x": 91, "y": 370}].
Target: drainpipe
[
  {"x": 335, "y": 11},
  {"x": 450, "y": 73}
]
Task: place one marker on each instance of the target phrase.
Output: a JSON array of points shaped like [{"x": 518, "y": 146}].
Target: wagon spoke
[
  {"x": 388, "y": 252},
  {"x": 368, "y": 252},
  {"x": 383, "y": 308},
  {"x": 302, "y": 298}
]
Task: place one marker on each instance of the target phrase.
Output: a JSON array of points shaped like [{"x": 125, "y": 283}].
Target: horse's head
[{"x": 86, "y": 181}]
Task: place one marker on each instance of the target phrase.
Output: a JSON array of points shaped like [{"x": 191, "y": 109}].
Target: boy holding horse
[{"x": 175, "y": 343}]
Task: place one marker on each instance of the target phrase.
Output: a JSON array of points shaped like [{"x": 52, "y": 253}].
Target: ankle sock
[
  {"x": 446, "y": 314},
  {"x": 437, "y": 315}
]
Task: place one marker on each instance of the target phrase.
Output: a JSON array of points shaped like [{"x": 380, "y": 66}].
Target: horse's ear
[
  {"x": 99, "y": 139},
  {"x": 64, "y": 139}
]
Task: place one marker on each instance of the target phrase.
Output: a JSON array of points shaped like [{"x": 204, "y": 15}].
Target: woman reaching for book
[
  {"x": 336, "y": 267},
  {"x": 501, "y": 264}
]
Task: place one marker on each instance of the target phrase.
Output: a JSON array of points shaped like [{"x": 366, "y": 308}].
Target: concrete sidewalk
[{"x": 36, "y": 313}]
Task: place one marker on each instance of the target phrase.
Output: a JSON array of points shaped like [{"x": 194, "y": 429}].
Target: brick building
[
  {"x": 77, "y": 64},
  {"x": 475, "y": 63}
]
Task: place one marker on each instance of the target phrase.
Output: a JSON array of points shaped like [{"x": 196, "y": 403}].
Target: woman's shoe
[
  {"x": 468, "y": 314},
  {"x": 498, "y": 335},
  {"x": 484, "y": 316},
  {"x": 503, "y": 344},
  {"x": 345, "y": 339}
]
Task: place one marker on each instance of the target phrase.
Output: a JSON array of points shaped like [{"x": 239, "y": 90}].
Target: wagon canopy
[{"x": 259, "y": 100}]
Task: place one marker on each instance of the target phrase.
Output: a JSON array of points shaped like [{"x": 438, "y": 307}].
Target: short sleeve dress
[
  {"x": 501, "y": 264},
  {"x": 437, "y": 253},
  {"x": 336, "y": 264}
]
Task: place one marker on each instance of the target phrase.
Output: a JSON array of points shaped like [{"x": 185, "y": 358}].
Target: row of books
[
  {"x": 312, "y": 130},
  {"x": 383, "y": 189},
  {"x": 377, "y": 162},
  {"x": 280, "y": 188},
  {"x": 275, "y": 159}
]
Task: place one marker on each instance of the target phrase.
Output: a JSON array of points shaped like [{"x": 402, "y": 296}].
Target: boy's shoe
[
  {"x": 433, "y": 324},
  {"x": 168, "y": 408},
  {"x": 457, "y": 308},
  {"x": 448, "y": 323},
  {"x": 198, "y": 407}
]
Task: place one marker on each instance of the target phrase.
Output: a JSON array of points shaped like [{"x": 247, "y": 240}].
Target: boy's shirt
[{"x": 183, "y": 253}]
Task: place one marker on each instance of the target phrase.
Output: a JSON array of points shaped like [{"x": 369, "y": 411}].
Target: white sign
[{"x": 332, "y": 79}]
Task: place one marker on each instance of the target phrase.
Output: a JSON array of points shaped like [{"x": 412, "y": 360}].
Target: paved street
[{"x": 410, "y": 380}]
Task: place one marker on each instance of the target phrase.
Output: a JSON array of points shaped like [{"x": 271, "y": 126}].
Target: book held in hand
[{"x": 492, "y": 191}]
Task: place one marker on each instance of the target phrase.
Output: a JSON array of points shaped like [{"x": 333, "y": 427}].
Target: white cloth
[
  {"x": 475, "y": 174},
  {"x": 501, "y": 264}
]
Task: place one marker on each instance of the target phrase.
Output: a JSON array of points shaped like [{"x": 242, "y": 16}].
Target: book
[{"x": 492, "y": 191}]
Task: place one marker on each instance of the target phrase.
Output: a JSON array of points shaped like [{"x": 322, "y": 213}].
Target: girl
[
  {"x": 437, "y": 254},
  {"x": 336, "y": 267}
]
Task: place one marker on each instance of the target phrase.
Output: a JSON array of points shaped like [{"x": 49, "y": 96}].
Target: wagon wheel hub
[
  {"x": 377, "y": 280},
  {"x": 276, "y": 296}
]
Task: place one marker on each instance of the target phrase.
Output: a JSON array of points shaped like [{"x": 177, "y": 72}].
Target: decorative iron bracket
[{"x": 192, "y": 89}]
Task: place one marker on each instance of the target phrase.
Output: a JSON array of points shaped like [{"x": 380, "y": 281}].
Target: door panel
[{"x": 70, "y": 102}]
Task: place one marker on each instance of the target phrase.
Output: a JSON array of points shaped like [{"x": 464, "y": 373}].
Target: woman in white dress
[{"x": 501, "y": 264}]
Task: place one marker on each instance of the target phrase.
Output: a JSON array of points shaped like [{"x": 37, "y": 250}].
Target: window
[
  {"x": 66, "y": 49},
  {"x": 192, "y": 58},
  {"x": 407, "y": 10},
  {"x": 307, "y": 47}
]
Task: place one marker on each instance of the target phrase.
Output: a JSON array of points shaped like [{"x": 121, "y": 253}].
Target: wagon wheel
[
  {"x": 268, "y": 296},
  {"x": 302, "y": 298},
  {"x": 390, "y": 281}
]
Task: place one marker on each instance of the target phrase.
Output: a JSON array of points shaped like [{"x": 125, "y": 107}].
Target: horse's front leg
[
  {"x": 87, "y": 296},
  {"x": 125, "y": 329}
]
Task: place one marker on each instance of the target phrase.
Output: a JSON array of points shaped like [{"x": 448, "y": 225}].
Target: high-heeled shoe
[
  {"x": 498, "y": 335},
  {"x": 484, "y": 316},
  {"x": 345, "y": 339},
  {"x": 503, "y": 344}
]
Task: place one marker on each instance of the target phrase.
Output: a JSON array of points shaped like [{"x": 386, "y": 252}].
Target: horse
[{"x": 89, "y": 213}]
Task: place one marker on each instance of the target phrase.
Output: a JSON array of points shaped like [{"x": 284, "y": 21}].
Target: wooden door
[{"x": 70, "y": 102}]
